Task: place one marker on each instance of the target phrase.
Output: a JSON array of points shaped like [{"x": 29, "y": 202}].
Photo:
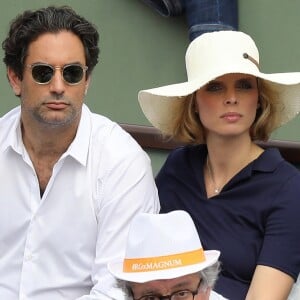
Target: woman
[{"x": 243, "y": 199}]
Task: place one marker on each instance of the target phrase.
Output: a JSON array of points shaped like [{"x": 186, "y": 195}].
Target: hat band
[{"x": 163, "y": 262}]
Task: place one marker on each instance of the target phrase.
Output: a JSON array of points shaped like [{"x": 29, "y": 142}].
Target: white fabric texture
[
  {"x": 295, "y": 292},
  {"x": 57, "y": 246},
  {"x": 154, "y": 252},
  {"x": 215, "y": 296}
]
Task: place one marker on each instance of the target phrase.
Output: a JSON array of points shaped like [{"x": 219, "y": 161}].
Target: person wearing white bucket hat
[
  {"x": 243, "y": 199},
  {"x": 165, "y": 259}
]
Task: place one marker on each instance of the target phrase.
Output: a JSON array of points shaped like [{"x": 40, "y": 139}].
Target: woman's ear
[
  {"x": 15, "y": 81},
  {"x": 258, "y": 104}
]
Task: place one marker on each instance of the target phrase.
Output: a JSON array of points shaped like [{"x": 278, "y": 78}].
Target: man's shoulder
[
  {"x": 10, "y": 116},
  {"x": 111, "y": 136},
  {"x": 8, "y": 122}
]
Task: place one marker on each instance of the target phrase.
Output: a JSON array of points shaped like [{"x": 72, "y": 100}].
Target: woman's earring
[{"x": 258, "y": 104}]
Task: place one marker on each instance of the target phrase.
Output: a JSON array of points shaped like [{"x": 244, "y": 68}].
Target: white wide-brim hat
[
  {"x": 212, "y": 55},
  {"x": 162, "y": 246}
]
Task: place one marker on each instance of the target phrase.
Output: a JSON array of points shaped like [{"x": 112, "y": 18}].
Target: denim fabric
[
  {"x": 211, "y": 15},
  {"x": 202, "y": 15},
  {"x": 167, "y": 8}
]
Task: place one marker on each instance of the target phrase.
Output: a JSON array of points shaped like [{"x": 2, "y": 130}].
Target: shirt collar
[
  {"x": 12, "y": 136},
  {"x": 78, "y": 149},
  {"x": 268, "y": 161}
]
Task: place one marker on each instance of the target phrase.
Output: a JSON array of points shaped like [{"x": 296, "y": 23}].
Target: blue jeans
[
  {"x": 167, "y": 8},
  {"x": 202, "y": 15}
]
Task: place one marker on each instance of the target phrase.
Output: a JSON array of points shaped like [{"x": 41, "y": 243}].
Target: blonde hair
[
  {"x": 268, "y": 115},
  {"x": 187, "y": 127}
]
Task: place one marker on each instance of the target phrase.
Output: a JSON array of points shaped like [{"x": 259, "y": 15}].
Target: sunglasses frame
[{"x": 61, "y": 68}]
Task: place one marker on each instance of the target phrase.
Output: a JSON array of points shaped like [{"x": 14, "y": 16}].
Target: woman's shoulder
[
  {"x": 183, "y": 159},
  {"x": 187, "y": 152},
  {"x": 272, "y": 160}
]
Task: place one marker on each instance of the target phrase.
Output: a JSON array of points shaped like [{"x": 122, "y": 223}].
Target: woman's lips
[{"x": 231, "y": 117}]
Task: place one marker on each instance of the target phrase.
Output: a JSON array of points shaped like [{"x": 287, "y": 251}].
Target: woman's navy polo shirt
[{"x": 254, "y": 220}]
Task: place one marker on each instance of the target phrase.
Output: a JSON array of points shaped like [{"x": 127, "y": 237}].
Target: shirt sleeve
[
  {"x": 282, "y": 228},
  {"x": 125, "y": 188}
]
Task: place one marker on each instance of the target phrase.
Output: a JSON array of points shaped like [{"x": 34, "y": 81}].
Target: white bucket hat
[
  {"x": 212, "y": 55},
  {"x": 162, "y": 246}
]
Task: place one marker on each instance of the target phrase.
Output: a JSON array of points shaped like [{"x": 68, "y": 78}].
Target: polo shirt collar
[{"x": 268, "y": 161}]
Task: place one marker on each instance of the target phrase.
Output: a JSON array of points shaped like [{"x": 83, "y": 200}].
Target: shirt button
[
  {"x": 28, "y": 257},
  {"x": 22, "y": 296}
]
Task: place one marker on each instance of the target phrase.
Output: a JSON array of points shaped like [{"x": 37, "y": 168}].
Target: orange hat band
[{"x": 163, "y": 262}]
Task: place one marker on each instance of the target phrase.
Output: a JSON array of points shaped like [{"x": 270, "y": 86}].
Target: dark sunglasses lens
[
  {"x": 41, "y": 73},
  {"x": 73, "y": 74}
]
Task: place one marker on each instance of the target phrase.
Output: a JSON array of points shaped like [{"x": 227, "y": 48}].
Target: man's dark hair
[{"x": 29, "y": 25}]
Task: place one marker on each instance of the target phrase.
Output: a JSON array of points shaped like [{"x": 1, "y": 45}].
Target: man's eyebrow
[
  {"x": 182, "y": 284},
  {"x": 185, "y": 284},
  {"x": 150, "y": 290}
]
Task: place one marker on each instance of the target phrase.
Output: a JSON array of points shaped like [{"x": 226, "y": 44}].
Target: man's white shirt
[{"x": 57, "y": 246}]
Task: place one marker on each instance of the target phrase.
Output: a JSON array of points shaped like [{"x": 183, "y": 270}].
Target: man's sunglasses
[{"x": 43, "y": 73}]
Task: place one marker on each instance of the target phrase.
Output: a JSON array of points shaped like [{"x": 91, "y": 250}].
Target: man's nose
[{"x": 57, "y": 83}]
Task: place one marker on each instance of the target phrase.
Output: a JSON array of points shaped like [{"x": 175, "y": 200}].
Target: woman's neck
[{"x": 225, "y": 159}]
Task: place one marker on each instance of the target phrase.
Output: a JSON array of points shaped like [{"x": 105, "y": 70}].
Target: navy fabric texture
[{"x": 254, "y": 220}]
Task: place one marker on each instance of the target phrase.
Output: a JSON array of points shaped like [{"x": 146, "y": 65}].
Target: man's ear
[
  {"x": 87, "y": 83},
  {"x": 203, "y": 295},
  {"x": 14, "y": 81}
]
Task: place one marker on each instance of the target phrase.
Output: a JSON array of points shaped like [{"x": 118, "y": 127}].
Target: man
[
  {"x": 165, "y": 260},
  {"x": 71, "y": 180}
]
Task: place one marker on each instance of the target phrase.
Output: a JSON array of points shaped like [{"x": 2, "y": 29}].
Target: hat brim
[
  {"x": 116, "y": 269},
  {"x": 160, "y": 104}
]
